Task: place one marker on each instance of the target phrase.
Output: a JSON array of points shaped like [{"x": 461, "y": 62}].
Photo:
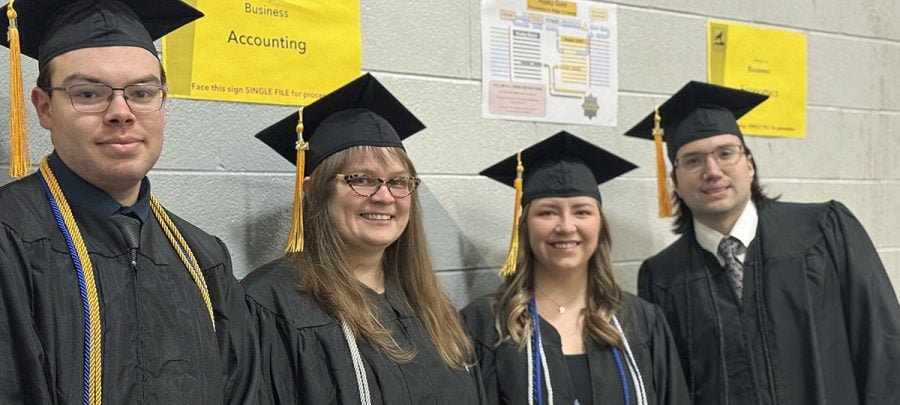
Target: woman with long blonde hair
[
  {"x": 559, "y": 329},
  {"x": 353, "y": 313}
]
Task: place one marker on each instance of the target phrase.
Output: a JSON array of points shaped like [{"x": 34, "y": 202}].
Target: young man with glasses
[
  {"x": 105, "y": 296},
  {"x": 769, "y": 302}
]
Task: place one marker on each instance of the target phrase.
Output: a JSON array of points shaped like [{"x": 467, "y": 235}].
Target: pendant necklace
[{"x": 561, "y": 308}]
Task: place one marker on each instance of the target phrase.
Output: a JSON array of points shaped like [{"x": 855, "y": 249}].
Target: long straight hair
[
  {"x": 512, "y": 318},
  {"x": 325, "y": 274}
]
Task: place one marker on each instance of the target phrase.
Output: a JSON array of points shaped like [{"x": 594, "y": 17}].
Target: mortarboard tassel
[
  {"x": 295, "y": 237},
  {"x": 18, "y": 160},
  {"x": 665, "y": 208},
  {"x": 509, "y": 267}
]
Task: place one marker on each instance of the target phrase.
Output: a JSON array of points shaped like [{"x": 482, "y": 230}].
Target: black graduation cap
[
  {"x": 49, "y": 28},
  {"x": 362, "y": 112},
  {"x": 697, "y": 111},
  {"x": 563, "y": 165}
]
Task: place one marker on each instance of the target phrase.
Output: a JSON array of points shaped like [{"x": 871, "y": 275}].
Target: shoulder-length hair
[
  {"x": 512, "y": 318},
  {"x": 684, "y": 218},
  {"x": 325, "y": 274}
]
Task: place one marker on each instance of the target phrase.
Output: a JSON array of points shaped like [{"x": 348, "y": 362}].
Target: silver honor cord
[
  {"x": 633, "y": 369},
  {"x": 544, "y": 368},
  {"x": 365, "y": 398}
]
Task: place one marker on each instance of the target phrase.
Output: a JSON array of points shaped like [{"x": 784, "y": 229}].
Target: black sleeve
[
  {"x": 667, "y": 372},
  {"x": 645, "y": 283},
  {"x": 23, "y": 379},
  {"x": 484, "y": 352},
  {"x": 294, "y": 368},
  {"x": 870, "y": 308},
  {"x": 238, "y": 346}
]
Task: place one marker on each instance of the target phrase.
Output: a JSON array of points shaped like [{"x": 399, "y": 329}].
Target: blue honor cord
[{"x": 79, "y": 271}]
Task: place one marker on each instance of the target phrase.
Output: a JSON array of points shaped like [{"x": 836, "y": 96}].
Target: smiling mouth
[
  {"x": 565, "y": 245},
  {"x": 715, "y": 190},
  {"x": 121, "y": 143},
  {"x": 377, "y": 217}
]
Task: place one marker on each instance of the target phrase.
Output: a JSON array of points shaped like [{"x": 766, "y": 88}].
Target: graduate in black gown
[
  {"x": 597, "y": 344},
  {"x": 105, "y": 296},
  {"x": 353, "y": 313},
  {"x": 795, "y": 307}
]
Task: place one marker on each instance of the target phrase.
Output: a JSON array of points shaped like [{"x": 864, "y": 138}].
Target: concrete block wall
[{"x": 428, "y": 53}]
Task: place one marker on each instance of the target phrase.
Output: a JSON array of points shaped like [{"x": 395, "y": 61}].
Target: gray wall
[{"x": 428, "y": 53}]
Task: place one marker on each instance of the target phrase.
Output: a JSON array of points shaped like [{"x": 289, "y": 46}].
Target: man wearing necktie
[
  {"x": 105, "y": 295},
  {"x": 769, "y": 302}
]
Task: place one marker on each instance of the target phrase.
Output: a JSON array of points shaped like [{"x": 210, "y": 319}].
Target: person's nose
[
  {"x": 382, "y": 194},
  {"x": 118, "y": 111}
]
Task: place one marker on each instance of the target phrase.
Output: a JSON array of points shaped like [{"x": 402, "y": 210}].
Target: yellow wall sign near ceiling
[
  {"x": 264, "y": 51},
  {"x": 765, "y": 61}
]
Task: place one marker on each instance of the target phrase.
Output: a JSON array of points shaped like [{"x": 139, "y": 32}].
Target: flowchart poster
[
  {"x": 767, "y": 61},
  {"x": 550, "y": 61},
  {"x": 288, "y": 52}
]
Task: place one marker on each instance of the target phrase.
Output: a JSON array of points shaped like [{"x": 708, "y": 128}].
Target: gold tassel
[
  {"x": 509, "y": 267},
  {"x": 665, "y": 207},
  {"x": 295, "y": 237},
  {"x": 18, "y": 159}
]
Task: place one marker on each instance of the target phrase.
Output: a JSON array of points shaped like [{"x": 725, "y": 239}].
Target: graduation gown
[
  {"x": 158, "y": 345},
  {"x": 819, "y": 322},
  {"x": 505, "y": 372},
  {"x": 306, "y": 360}
]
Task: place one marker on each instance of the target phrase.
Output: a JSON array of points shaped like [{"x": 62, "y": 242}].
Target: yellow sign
[
  {"x": 562, "y": 7},
  {"x": 264, "y": 51},
  {"x": 766, "y": 61}
]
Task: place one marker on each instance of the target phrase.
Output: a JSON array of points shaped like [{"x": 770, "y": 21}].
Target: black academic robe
[
  {"x": 158, "y": 343},
  {"x": 818, "y": 324},
  {"x": 306, "y": 360},
  {"x": 505, "y": 372}
]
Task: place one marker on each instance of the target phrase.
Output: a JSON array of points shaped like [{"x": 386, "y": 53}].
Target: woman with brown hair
[
  {"x": 559, "y": 329},
  {"x": 353, "y": 313}
]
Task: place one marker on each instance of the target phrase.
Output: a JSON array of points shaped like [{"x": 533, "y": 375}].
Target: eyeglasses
[
  {"x": 366, "y": 186},
  {"x": 96, "y": 97},
  {"x": 725, "y": 156}
]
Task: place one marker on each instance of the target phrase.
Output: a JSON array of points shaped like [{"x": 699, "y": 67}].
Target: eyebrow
[
  {"x": 81, "y": 77},
  {"x": 369, "y": 171},
  {"x": 708, "y": 151},
  {"x": 546, "y": 204}
]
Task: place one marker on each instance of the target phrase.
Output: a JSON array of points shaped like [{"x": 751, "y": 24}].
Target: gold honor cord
[
  {"x": 95, "y": 374},
  {"x": 184, "y": 251}
]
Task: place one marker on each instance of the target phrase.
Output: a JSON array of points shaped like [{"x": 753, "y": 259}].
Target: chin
[
  {"x": 131, "y": 174},
  {"x": 380, "y": 243}
]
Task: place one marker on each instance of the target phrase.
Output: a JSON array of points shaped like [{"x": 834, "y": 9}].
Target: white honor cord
[
  {"x": 361, "y": 379},
  {"x": 544, "y": 368},
  {"x": 530, "y": 372},
  {"x": 546, "y": 373},
  {"x": 632, "y": 366}
]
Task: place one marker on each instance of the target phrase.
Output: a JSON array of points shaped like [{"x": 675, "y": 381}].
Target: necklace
[{"x": 561, "y": 308}]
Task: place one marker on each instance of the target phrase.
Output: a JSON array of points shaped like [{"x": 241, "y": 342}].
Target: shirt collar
[
  {"x": 744, "y": 230},
  {"x": 89, "y": 197}
]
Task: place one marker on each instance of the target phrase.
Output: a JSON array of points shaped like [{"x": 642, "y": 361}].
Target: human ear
[{"x": 41, "y": 101}]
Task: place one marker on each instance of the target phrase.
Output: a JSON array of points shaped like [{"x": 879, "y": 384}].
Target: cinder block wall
[{"x": 428, "y": 52}]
